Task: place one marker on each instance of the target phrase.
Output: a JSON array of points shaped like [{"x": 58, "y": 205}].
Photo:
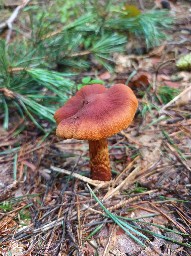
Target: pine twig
[
  {"x": 77, "y": 54},
  {"x": 8, "y": 93}
]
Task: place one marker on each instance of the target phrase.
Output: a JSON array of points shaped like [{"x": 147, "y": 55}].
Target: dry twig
[
  {"x": 96, "y": 183},
  {"x": 9, "y": 23},
  {"x": 109, "y": 244},
  {"x": 175, "y": 99}
]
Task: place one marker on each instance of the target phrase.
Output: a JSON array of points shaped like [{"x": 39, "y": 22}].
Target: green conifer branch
[{"x": 94, "y": 31}]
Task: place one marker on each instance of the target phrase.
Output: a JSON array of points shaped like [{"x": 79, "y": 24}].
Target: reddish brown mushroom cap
[
  {"x": 76, "y": 103},
  {"x": 96, "y": 112}
]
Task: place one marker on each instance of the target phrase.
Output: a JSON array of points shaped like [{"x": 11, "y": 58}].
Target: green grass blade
[
  {"x": 95, "y": 231},
  {"x": 152, "y": 224},
  {"x": 31, "y": 116},
  {"x": 132, "y": 229},
  {"x": 9, "y": 151},
  {"x": 120, "y": 223},
  {"x": 164, "y": 237}
]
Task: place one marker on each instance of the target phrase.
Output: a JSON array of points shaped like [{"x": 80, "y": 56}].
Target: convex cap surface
[{"x": 96, "y": 112}]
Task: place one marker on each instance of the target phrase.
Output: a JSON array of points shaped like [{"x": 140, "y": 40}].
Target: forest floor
[{"x": 45, "y": 211}]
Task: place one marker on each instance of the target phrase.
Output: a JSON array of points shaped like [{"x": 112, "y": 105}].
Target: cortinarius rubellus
[{"x": 94, "y": 114}]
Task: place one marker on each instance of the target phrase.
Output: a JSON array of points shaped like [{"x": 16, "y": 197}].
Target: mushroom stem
[{"x": 99, "y": 160}]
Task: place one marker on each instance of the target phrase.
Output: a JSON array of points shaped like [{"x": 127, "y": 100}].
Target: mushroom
[{"x": 94, "y": 114}]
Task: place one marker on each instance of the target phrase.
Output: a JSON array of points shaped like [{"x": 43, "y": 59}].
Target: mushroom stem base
[{"x": 99, "y": 160}]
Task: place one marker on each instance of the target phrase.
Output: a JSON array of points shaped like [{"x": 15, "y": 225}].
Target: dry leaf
[
  {"x": 105, "y": 76},
  {"x": 141, "y": 79},
  {"x": 158, "y": 51}
]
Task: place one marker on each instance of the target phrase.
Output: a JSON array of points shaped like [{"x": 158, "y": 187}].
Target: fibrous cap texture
[{"x": 96, "y": 112}]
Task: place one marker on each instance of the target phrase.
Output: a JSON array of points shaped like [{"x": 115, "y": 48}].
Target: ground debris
[{"x": 48, "y": 210}]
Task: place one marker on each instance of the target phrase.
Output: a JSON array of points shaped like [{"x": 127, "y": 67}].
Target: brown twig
[
  {"x": 16, "y": 69},
  {"x": 177, "y": 156},
  {"x": 125, "y": 183},
  {"x": 79, "y": 227},
  {"x": 188, "y": 89},
  {"x": 157, "y": 71},
  {"x": 7, "y": 93},
  {"x": 168, "y": 218},
  {"x": 123, "y": 203},
  {"x": 109, "y": 242},
  {"x": 80, "y": 53}
]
